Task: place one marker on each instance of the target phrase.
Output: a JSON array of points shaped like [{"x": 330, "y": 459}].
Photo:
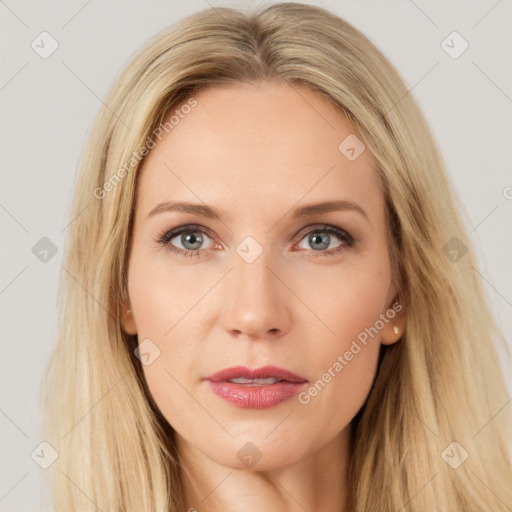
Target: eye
[
  {"x": 185, "y": 240},
  {"x": 321, "y": 238}
]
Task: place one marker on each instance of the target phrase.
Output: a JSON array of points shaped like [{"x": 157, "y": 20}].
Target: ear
[
  {"x": 127, "y": 319},
  {"x": 395, "y": 326}
]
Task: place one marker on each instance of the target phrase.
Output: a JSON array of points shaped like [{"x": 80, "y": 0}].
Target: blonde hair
[{"x": 441, "y": 383}]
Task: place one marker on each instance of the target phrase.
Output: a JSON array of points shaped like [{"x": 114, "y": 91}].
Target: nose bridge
[{"x": 256, "y": 304}]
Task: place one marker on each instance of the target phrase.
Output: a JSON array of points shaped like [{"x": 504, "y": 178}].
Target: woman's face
[{"x": 259, "y": 279}]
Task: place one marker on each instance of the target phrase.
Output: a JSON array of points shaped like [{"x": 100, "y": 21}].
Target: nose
[{"x": 257, "y": 301}]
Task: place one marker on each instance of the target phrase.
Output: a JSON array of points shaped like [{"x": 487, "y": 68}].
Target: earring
[
  {"x": 128, "y": 311},
  {"x": 395, "y": 329}
]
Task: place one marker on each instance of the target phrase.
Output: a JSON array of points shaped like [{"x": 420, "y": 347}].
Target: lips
[{"x": 257, "y": 388}]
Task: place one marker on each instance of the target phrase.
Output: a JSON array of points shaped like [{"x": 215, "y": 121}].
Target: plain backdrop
[{"x": 48, "y": 105}]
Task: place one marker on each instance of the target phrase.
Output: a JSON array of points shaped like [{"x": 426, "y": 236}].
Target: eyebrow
[{"x": 210, "y": 212}]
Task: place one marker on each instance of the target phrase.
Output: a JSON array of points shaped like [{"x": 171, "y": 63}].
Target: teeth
[{"x": 261, "y": 382}]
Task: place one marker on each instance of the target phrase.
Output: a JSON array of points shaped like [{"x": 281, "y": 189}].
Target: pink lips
[{"x": 255, "y": 395}]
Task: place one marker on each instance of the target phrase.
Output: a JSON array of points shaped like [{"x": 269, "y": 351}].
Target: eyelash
[{"x": 345, "y": 237}]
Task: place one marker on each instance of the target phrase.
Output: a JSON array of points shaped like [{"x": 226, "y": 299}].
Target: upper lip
[{"x": 265, "y": 372}]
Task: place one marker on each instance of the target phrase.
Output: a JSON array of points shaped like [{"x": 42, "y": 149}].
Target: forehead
[{"x": 254, "y": 145}]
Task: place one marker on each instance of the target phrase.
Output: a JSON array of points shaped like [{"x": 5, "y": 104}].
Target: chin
[{"x": 258, "y": 453}]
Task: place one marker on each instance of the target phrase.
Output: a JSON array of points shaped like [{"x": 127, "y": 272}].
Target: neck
[{"x": 318, "y": 481}]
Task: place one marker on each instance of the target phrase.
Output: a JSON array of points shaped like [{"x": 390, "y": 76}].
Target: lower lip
[{"x": 256, "y": 397}]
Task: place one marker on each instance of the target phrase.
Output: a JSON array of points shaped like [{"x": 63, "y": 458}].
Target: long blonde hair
[{"x": 438, "y": 392}]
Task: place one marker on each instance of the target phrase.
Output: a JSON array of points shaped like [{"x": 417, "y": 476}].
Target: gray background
[{"x": 48, "y": 105}]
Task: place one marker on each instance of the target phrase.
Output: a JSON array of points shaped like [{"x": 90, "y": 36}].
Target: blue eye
[
  {"x": 321, "y": 238},
  {"x": 191, "y": 239}
]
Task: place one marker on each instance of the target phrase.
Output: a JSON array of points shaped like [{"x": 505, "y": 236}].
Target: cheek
[
  {"x": 351, "y": 303},
  {"x": 347, "y": 299},
  {"x": 163, "y": 305},
  {"x": 162, "y": 298}
]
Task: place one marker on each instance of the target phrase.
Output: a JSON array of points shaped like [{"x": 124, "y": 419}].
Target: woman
[{"x": 268, "y": 294}]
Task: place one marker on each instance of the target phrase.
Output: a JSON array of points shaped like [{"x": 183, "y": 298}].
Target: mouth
[{"x": 257, "y": 388}]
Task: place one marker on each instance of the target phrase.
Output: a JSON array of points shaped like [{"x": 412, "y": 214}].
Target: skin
[{"x": 256, "y": 152}]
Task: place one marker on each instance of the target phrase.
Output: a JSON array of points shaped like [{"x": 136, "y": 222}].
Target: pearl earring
[{"x": 395, "y": 329}]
